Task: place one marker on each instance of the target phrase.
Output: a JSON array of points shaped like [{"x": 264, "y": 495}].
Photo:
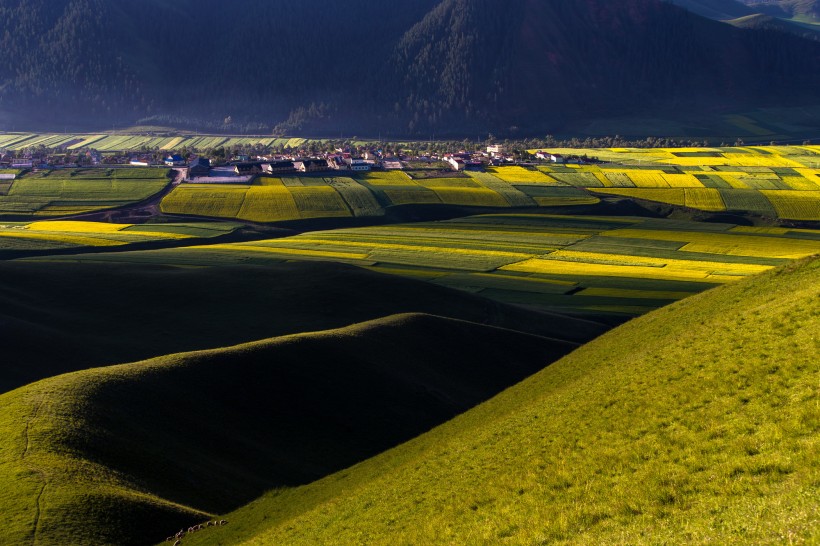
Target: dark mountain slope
[
  {"x": 761, "y": 21},
  {"x": 101, "y": 314},
  {"x": 129, "y": 454},
  {"x": 716, "y": 9},
  {"x": 547, "y": 60},
  {"x": 448, "y": 66}
]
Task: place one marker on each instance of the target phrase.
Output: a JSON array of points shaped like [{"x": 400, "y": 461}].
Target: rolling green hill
[
  {"x": 61, "y": 317},
  {"x": 697, "y": 423},
  {"x": 128, "y": 454}
]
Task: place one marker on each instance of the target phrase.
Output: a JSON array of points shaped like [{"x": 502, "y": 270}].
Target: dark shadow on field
[{"x": 61, "y": 317}]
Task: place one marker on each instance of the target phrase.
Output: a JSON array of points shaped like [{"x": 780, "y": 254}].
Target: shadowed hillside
[
  {"x": 59, "y": 317},
  {"x": 128, "y": 454},
  {"x": 697, "y": 423}
]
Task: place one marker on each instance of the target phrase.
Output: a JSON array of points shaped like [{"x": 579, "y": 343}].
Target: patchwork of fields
[
  {"x": 584, "y": 264},
  {"x": 56, "y": 193},
  {"x": 771, "y": 181}
]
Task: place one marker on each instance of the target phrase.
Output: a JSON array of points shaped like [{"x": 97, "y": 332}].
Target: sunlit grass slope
[
  {"x": 128, "y": 454},
  {"x": 697, "y": 423},
  {"x": 60, "y": 317}
]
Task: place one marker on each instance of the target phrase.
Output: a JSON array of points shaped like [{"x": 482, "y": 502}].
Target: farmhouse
[
  {"x": 278, "y": 167},
  {"x": 174, "y": 161},
  {"x": 549, "y": 156},
  {"x": 199, "y": 167},
  {"x": 8, "y": 176},
  {"x": 359, "y": 165},
  {"x": 22, "y": 163},
  {"x": 457, "y": 164},
  {"x": 311, "y": 165},
  {"x": 138, "y": 163},
  {"x": 392, "y": 164},
  {"x": 244, "y": 169}
]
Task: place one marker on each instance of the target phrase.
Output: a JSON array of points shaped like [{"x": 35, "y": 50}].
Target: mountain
[
  {"x": 449, "y": 67},
  {"x": 697, "y": 423}
]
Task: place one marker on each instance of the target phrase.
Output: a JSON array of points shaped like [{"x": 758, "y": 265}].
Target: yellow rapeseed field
[
  {"x": 559, "y": 267},
  {"x": 726, "y": 243},
  {"x": 704, "y": 199},
  {"x": 795, "y": 205},
  {"x": 522, "y": 175},
  {"x": 407, "y": 196},
  {"x": 319, "y": 201},
  {"x": 268, "y": 204},
  {"x": 479, "y": 197},
  {"x": 672, "y": 196}
]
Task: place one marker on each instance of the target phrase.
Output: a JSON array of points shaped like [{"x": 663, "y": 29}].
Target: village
[{"x": 242, "y": 165}]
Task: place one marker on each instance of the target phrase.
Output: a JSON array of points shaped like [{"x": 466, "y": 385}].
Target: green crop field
[
  {"x": 55, "y": 235},
  {"x": 58, "y": 193},
  {"x": 546, "y": 261}
]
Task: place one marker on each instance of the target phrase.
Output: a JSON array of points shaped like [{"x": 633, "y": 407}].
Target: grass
[
  {"x": 697, "y": 423},
  {"x": 91, "y": 472}
]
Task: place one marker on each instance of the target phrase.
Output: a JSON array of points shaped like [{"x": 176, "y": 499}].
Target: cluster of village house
[{"x": 244, "y": 165}]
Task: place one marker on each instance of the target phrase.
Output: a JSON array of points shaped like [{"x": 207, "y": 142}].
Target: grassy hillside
[
  {"x": 60, "y": 317},
  {"x": 128, "y": 454},
  {"x": 697, "y": 423}
]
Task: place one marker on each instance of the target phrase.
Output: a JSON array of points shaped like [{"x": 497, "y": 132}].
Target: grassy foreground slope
[
  {"x": 697, "y": 423},
  {"x": 130, "y": 453},
  {"x": 61, "y": 317}
]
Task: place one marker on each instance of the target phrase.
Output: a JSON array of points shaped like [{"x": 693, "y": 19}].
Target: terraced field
[
  {"x": 585, "y": 264},
  {"x": 63, "y": 192}
]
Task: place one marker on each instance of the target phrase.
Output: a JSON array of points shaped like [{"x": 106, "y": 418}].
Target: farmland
[
  {"x": 19, "y": 238},
  {"x": 618, "y": 265},
  {"x": 58, "y": 193},
  {"x": 783, "y": 188},
  {"x": 313, "y": 378}
]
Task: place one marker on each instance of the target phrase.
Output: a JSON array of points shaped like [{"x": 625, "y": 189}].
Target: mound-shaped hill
[
  {"x": 697, "y": 423},
  {"x": 101, "y": 314},
  {"x": 126, "y": 454}
]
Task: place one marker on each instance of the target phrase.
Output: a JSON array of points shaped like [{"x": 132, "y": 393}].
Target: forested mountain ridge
[{"x": 432, "y": 66}]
